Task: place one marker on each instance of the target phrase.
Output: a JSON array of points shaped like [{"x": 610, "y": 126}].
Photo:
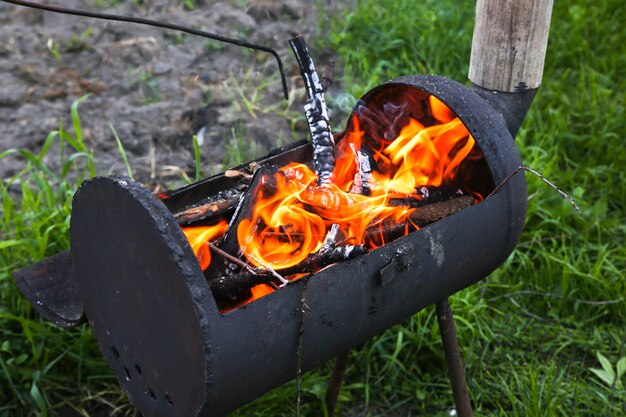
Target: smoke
[
  {"x": 344, "y": 102},
  {"x": 382, "y": 120},
  {"x": 340, "y": 106}
]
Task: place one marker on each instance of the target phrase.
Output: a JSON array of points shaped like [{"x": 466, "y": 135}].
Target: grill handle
[{"x": 509, "y": 44}]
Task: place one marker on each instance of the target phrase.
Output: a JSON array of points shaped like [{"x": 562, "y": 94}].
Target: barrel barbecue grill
[{"x": 132, "y": 273}]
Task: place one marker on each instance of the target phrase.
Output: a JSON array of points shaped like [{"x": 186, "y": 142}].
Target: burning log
[
  {"x": 328, "y": 254},
  {"x": 363, "y": 176},
  {"x": 325, "y": 257},
  {"x": 235, "y": 287},
  {"x": 259, "y": 185},
  {"x": 438, "y": 194},
  {"x": 316, "y": 114},
  {"x": 429, "y": 195},
  {"x": 421, "y": 216},
  {"x": 205, "y": 211},
  {"x": 437, "y": 211},
  {"x": 229, "y": 244}
]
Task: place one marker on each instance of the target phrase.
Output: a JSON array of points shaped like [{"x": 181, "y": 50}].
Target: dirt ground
[{"x": 157, "y": 88}]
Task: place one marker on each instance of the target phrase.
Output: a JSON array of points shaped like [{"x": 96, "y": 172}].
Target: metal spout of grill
[{"x": 157, "y": 322}]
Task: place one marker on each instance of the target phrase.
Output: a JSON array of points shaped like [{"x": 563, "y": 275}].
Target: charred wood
[
  {"x": 329, "y": 253},
  {"x": 235, "y": 287},
  {"x": 324, "y": 257},
  {"x": 217, "y": 209},
  {"x": 328, "y": 75},
  {"x": 218, "y": 205},
  {"x": 229, "y": 244},
  {"x": 429, "y": 195},
  {"x": 437, "y": 211},
  {"x": 316, "y": 114},
  {"x": 385, "y": 231},
  {"x": 241, "y": 175},
  {"x": 444, "y": 192},
  {"x": 261, "y": 178},
  {"x": 363, "y": 176},
  {"x": 271, "y": 271}
]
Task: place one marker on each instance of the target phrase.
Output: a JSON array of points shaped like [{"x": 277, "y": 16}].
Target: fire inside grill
[
  {"x": 419, "y": 152},
  {"x": 396, "y": 169},
  {"x": 336, "y": 216}
]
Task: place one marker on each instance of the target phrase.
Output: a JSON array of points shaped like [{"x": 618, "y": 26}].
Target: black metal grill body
[{"x": 175, "y": 354}]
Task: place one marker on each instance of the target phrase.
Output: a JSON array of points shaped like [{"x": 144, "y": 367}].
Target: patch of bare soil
[{"x": 157, "y": 88}]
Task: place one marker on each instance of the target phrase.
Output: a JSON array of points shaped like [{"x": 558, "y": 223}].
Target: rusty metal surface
[{"x": 50, "y": 286}]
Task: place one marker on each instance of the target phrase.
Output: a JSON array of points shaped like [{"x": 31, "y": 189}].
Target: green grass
[
  {"x": 530, "y": 333},
  {"x": 532, "y": 330},
  {"x": 43, "y": 367}
]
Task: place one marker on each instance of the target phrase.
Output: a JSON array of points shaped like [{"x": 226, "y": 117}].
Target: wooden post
[{"x": 509, "y": 44}]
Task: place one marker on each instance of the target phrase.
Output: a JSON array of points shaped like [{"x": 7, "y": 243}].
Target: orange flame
[
  {"x": 291, "y": 223},
  {"x": 281, "y": 231},
  {"x": 198, "y": 236}
]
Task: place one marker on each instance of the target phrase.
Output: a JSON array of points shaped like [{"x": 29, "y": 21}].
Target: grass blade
[
  {"x": 120, "y": 147},
  {"x": 196, "y": 155}
]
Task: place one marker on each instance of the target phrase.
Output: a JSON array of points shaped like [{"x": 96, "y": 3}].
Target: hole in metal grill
[
  {"x": 128, "y": 375},
  {"x": 116, "y": 353},
  {"x": 138, "y": 369},
  {"x": 151, "y": 393},
  {"x": 168, "y": 399}
]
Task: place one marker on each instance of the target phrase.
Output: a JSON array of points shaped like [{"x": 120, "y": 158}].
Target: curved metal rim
[{"x": 487, "y": 128}]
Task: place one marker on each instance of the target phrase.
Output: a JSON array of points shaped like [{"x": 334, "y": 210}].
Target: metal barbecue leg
[
  {"x": 453, "y": 359},
  {"x": 336, "y": 380}
]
